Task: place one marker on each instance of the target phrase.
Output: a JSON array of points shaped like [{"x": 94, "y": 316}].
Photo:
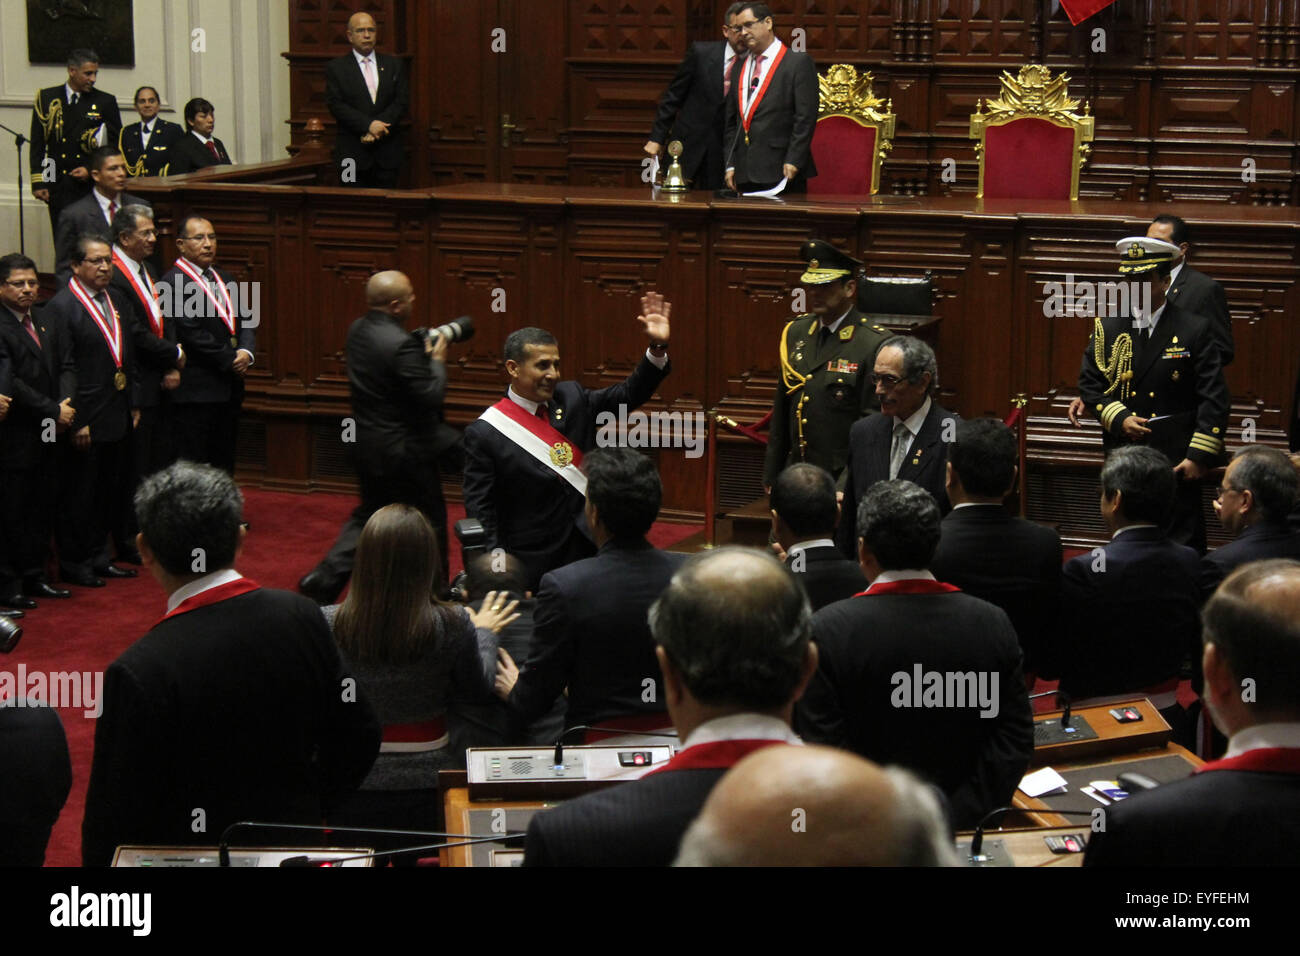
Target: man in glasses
[
  {"x": 1255, "y": 498},
  {"x": 908, "y": 440}
]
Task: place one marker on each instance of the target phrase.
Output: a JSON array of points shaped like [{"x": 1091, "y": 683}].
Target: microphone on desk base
[{"x": 559, "y": 744}]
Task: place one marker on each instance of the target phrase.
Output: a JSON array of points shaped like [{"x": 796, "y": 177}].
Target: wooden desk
[
  {"x": 1026, "y": 844},
  {"x": 460, "y": 816},
  {"x": 1113, "y": 738}
]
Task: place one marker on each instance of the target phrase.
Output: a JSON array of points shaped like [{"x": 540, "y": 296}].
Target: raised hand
[{"x": 655, "y": 310}]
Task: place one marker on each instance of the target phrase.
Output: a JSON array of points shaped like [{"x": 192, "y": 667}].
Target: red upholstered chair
[
  {"x": 1029, "y": 143},
  {"x": 852, "y": 135}
]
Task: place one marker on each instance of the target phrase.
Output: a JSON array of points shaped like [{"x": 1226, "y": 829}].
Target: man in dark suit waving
[
  {"x": 771, "y": 111},
  {"x": 367, "y": 93},
  {"x": 694, "y": 105},
  {"x": 522, "y": 455}
]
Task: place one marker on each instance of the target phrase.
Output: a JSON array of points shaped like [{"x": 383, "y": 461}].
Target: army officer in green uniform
[{"x": 826, "y": 361}]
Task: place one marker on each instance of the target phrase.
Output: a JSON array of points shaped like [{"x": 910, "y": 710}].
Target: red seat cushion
[
  {"x": 843, "y": 152},
  {"x": 1028, "y": 159}
]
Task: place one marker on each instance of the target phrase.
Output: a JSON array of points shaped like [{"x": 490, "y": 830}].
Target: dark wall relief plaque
[{"x": 56, "y": 27}]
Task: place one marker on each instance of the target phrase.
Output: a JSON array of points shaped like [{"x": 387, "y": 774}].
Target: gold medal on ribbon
[
  {"x": 119, "y": 381},
  {"x": 233, "y": 341},
  {"x": 561, "y": 454}
]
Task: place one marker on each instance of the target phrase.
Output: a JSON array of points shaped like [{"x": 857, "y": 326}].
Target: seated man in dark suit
[
  {"x": 1005, "y": 560},
  {"x": 916, "y": 673},
  {"x": 35, "y": 778},
  {"x": 1129, "y": 610},
  {"x": 198, "y": 149},
  {"x": 1240, "y": 810},
  {"x": 235, "y": 706},
  {"x": 804, "y": 516},
  {"x": 93, "y": 213},
  {"x": 1256, "y": 497},
  {"x": 523, "y": 456},
  {"x": 909, "y": 439},
  {"x": 590, "y": 633},
  {"x": 732, "y": 641}
]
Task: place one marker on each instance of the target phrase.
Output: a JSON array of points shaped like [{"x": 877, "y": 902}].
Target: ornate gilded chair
[
  {"x": 1030, "y": 144},
  {"x": 852, "y": 135}
]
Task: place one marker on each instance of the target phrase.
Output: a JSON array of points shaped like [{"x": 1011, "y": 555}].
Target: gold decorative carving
[{"x": 843, "y": 92}]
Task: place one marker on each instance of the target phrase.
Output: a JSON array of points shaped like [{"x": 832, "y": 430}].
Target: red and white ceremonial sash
[
  {"x": 1263, "y": 760},
  {"x": 214, "y": 595},
  {"x": 539, "y": 440},
  {"x": 747, "y": 116},
  {"x": 228, "y": 313},
  {"x": 715, "y": 755},
  {"x": 148, "y": 296},
  {"x": 911, "y": 586},
  {"x": 112, "y": 335}
]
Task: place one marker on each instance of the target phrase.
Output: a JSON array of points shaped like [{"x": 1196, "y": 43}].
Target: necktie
[
  {"x": 112, "y": 210},
  {"x": 823, "y": 336},
  {"x": 75, "y": 96},
  {"x": 212, "y": 148},
  {"x": 144, "y": 135},
  {"x": 726, "y": 77},
  {"x": 899, "y": 450},
  {"x": 542, "y": 413},
  {"x": 31, "y": 330},
  {"x": 372, "y": 82}
]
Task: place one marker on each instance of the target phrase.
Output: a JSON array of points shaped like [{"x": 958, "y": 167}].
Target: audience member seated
[
  {"x": 804, "y": 516},
  {"x": 1240, "y": 810},
  {"x": 198, "y": 149},
  {"x": 414, "y": 657},
  {"x": 234, "y": 706},
  {"x": 732, "y": 641},
  {"x": 989, "y": 553},
  {"x": 916, "y": 673},
  {"x": 817, "y": 806},
  {"x": 1129, "y": 611},
  {"x": 35, "y": 778},
  {"x": 1255, "y": 499},
  {"x": 589, "y": 630}
]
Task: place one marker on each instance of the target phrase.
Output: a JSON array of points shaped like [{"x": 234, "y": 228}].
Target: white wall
[{"x": 241, "y": 72}]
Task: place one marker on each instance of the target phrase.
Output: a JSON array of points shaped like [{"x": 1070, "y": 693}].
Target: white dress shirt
[
  {"x": 741, "y": 727},
  {"x": 205, "y": 583}
]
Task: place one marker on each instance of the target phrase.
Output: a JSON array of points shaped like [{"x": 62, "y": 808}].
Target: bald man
[
  {"x": 1239, "y": 810},
  {"x": 817, "y": 806},
  {"x": 367, "y": 93},
  {"x": 397, "y": 381}
]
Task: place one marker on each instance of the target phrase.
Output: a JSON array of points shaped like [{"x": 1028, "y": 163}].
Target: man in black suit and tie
[
  {"x": 1255, "y": 499},
  {"x": 95, "y": 464},
  {"x": 522, "y": 456},
  {"x": 397, "y": 382},
  {"x": 916, "y": 673},
  {"x": 589, "y": 630},
  {"x": 732, "y": 643},
  {"x": 198, "y": 149},
  {"x": 68, "y": 123},
  {"x": 804, "y": 516},
  {"x": 989, "y": 553},
  {"x": 1238, "y": 810},
  {"x": 909, "y": 439},
  {"x": 146, "y": 145},
  {"x": 43, "y": 381},
  {"x": 694, "y": 105},
  {"x": 771, "y": 111},
  {"x": 235, "y": 706},
  {"x": 367, "y": 94},
  {"x": 92, "y": 214},
  {"x": 218, "y": 343}
]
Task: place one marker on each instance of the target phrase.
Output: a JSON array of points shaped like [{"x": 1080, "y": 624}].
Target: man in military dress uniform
[
  {"x": 826, "y": 362},
  {"x": 145, "y": 145},
  {"x": 1156, "y": 377}
]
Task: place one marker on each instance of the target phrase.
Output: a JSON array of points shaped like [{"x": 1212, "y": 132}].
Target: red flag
[{"x": 1080, "y": 10}]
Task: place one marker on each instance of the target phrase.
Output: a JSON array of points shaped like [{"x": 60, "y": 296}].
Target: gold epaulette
[
  {"x": 1118, "y": 369},
  {"x": 132, "y": 169},
  {"x": 792, "y": 380}
]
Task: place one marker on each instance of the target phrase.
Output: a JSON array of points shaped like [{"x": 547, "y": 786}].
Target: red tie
[
  {"x": 112, "y": 210},
  {"x": 541, "y": 413},
  {"x": 212, "y": 148},
  {"x": 31, "y": 330}
]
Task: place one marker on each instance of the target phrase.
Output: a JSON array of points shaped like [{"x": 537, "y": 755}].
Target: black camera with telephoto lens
[{"x": 459, "y": 329}]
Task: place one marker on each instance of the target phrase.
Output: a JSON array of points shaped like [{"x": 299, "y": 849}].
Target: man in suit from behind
[
  {"x": 93, "y": 213},
  {"x": 198, "y": 149},
  {"x": 732, "y": 641},
  {"x": 43, "y": 381},
  {"x": 37, "y": 775},
  {"x": 146, "y": 145},
  {"x": 236, "y": 702},
  {"x": 68, "y": 122},
  {"x": 909, "y": 439},
  {"x": 367, "y": 94},
  {"x": 694, "y": 106},
  {"x": 991, "y": 554},
  {"x": 1255, "y": 499},
  {"x": 523, "y": 455},
  {"x": 804, "y": 516},
  {"x": 1239, "y": 810},
  {"x": 589, "y": 630},
  {"x": 397, "y": 382},
  {"x": 771, "y": 111},
  {"x": 916, "y": 673}
]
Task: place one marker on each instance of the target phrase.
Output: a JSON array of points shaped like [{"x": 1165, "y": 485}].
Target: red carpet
[{"x": 288, "y": 534}]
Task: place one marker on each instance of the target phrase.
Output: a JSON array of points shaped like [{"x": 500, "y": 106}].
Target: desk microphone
[
  {"x": 977, "y": 840},
  {"x": 1062, "y": 699},
  {"x": 511, "y": 840},
  {"x": 223, "y": 847},
  {"x": 559, "y": 744}
]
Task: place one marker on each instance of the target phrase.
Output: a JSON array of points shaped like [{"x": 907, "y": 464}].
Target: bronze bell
[{"x": 674, "y": 179}]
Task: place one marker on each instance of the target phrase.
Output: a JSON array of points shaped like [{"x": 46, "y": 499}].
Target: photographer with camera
[{"x": 397, "y": 380}]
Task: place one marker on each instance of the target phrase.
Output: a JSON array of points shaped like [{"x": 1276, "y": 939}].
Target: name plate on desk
[{"x": 530, "y": 773}]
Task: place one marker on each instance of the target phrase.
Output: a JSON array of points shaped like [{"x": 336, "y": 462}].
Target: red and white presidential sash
[
  {"x": 109, "y": 326},
  {"x": 147, "y": 294},
  {"x": 539, "y": 440},
  {"x": 747, "y": 116},
  {"x": 910, "y": 586},
  {"x": 715, "y": 755},
  {"x": 1261, "y": 760},
  {"x": 214, "y": 595},
  {"x": 228, "y": 313}
]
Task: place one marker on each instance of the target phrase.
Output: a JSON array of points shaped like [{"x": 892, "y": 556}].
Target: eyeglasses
[
  {"x": 22, "y": 283},
  {"x": 1221, "y": 491},
  {"x": 99, "y": 260},
  {"x": 746, "y": 27},
  {"x": 209, "y": 235},
  {"x": 889, "y": 381}
]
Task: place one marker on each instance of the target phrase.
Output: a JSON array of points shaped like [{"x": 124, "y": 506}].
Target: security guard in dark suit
[
  {"x": 1156, "y": 377},
  {"x": 826, "y": 360}
]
